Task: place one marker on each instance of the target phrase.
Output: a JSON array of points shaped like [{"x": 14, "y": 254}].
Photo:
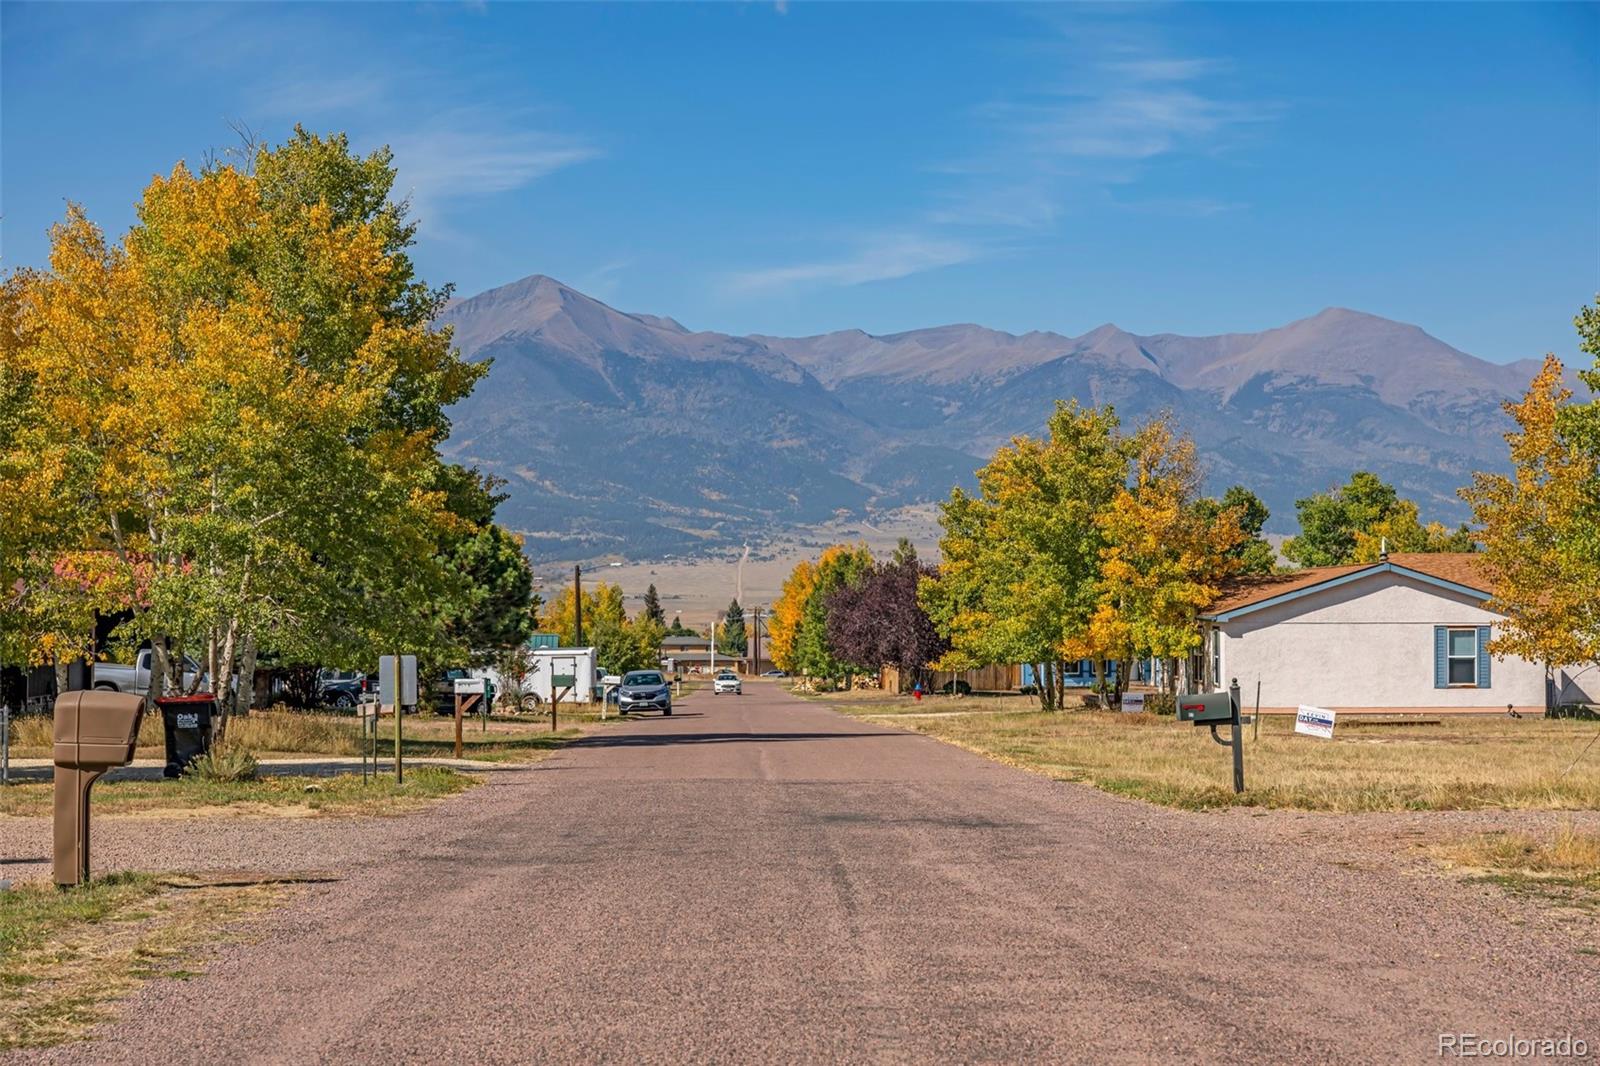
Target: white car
[{"x": 727, "y": 681}]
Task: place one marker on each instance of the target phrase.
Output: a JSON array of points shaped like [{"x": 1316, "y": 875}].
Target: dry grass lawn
[
  {"x": 1460, "y": 764},
  {"x": 280, "y": 796},
  {"x": 278, "y": 733},
  {"x": 66, "y": 955},
  {"x": 1563, "y": 866}
]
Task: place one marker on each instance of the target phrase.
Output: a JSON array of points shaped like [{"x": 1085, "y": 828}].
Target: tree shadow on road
[{"x": 649, "y": 740}]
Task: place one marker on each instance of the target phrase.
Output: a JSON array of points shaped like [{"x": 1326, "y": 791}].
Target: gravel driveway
[{"x": 760, "y": 879}]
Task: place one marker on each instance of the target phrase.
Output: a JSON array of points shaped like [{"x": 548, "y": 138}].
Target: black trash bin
[{"x": 186, "y": 721}]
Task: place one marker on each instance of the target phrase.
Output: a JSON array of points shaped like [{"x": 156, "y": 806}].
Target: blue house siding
[{"x": 1079, "y": 674}]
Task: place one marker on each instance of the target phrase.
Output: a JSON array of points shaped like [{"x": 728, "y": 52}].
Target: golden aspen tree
[
  {"x": 245, "y": 394},
  {"x": 1538, "y": 532},
  {"x": 788, "y": 614},
  {"x": 1165, "y": 558}
]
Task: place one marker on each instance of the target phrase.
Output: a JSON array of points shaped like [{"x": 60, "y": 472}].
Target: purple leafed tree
[{"x": 878, "y": 621}]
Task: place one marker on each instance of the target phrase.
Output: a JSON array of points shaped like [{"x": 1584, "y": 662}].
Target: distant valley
[{"x": 628, "y": 435}]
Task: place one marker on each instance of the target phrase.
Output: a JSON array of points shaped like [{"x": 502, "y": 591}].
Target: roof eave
[{"x": 1343, "y": 579}]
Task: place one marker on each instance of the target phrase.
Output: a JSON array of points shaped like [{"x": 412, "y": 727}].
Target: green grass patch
[
  {"x": 65, "y": 955},
  {"x": 338, "y": 794},
  {"x": 32, "y": 914}
]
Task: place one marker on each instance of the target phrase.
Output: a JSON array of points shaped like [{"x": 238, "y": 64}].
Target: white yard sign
[
  {"x": 1133, "y": 702},
  {"x": 1314, "y": 722}
]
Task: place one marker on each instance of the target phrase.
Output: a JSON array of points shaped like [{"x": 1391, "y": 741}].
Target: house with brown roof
[{"x": 1408, "y": 633}]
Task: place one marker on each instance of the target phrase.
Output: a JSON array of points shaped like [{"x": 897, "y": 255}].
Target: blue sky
[{"x": 799, "y": 168}]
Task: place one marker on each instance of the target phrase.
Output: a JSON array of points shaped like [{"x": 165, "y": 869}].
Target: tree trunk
[
  {"x": 160, "y": 665},
  {"x": 223, "y": 688},
  {"x": 244, "y": 698}
]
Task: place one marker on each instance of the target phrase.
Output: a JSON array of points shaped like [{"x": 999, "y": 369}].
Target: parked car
[
  {"x": 643, "y": 690},
  {"x": 776, "y": 673},
  {"x": 135, "y": 679},
  {"x": 726, "y": 681},
  {"x": 340, "y": 688}
]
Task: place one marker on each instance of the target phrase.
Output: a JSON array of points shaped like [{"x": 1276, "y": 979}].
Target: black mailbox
[{"x": 1203, "y": 708}]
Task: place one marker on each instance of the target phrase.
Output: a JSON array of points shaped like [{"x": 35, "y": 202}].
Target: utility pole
[
  {"x": 577, "y": 604},
  {"x": 755, "y": 640}
]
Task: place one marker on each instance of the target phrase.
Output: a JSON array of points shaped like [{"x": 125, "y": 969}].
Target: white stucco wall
[{"x": 1368, "y": 644}]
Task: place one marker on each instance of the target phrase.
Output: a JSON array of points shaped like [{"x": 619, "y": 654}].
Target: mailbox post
[
  {"x": 470, "y": 691},
  {"x": 1212, "y": 709},
  {"x": 94, "y": 731}
]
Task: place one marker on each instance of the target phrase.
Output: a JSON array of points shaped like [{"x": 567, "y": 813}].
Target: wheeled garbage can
[{"x": 186, "y": 722}]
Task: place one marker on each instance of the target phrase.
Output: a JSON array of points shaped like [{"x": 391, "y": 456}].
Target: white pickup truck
[{"x": 119, "y": 677}]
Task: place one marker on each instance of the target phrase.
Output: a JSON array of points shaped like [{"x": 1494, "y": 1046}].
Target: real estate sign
[
  {"x": 1133, "y": 702},
  {"x": 1314, "y": 722}
]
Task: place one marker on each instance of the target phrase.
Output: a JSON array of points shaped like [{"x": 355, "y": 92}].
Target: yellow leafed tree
[
  {"x": 1538, "y": 532},
  {"x": 1165, "y": 559},
  {"x": 788, "y": 614},
  {"x": 244, "y": 397}
]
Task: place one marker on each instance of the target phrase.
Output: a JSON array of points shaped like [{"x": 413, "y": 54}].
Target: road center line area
[{"x": 759, "y": 879}]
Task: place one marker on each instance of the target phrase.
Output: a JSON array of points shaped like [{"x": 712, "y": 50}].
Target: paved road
[{"x": 758, "y": 879}]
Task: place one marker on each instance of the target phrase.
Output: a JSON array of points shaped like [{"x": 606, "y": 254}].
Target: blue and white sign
[{"x": 1314, "y": 722}]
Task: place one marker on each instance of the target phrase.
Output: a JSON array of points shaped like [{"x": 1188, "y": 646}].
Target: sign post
[
  {"x": 397, "y": 688},
  {"x": 368, "y": 710}
]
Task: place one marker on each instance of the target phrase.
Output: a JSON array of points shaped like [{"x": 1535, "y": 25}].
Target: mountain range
[{"x": 629, "y": 434}]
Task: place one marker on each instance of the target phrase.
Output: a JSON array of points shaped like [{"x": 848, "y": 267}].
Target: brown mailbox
[{"x": 94, "y": 732}]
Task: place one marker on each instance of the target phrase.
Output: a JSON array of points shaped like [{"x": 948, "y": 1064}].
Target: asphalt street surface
[{"x": 758, "y": 879}]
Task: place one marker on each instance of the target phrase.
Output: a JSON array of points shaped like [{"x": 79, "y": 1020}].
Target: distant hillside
[{"x": 630, "y": 434}]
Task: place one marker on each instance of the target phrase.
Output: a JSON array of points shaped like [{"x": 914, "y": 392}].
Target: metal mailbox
[
  {"x": 94, "y": 731},
  {"x": 1205, "y": 707}
]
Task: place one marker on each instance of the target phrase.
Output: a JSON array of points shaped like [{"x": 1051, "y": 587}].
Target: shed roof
[{"x": 1462, "y": 570}]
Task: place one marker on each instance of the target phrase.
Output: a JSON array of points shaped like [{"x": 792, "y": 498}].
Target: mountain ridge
[{"x": 629, "y": 433}]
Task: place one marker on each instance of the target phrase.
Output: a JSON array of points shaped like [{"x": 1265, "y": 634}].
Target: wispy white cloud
[
  {"x": 302, "y": 98},
  {"x": 1121, "y": 99},
  {"x": 449, "y": 161},
  {"x": 1182, "y": 206},
  {"x": 603, "y": 281},
  {"x": 1114, "y": 100},
  {"x": 882, "y": 257},
  {"x": 470, "y": 140}
]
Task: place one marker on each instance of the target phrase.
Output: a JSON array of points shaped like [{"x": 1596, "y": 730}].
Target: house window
[
  {"x": 1216, "y": 657},
  {"x": 1462, "y": 659}
]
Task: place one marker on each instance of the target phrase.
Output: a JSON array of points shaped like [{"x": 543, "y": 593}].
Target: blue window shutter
[
  {"x": 1441, "y": 674},
  {"x": 1483, "y": 656}
]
